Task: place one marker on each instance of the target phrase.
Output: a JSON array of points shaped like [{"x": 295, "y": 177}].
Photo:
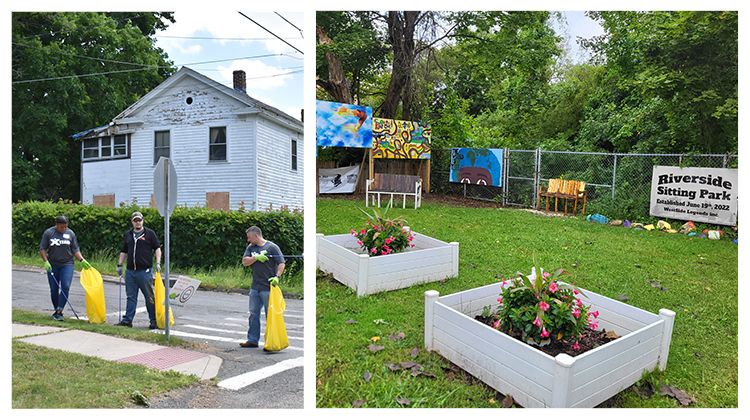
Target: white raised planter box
[
  {"x": 534, "y": 378},
  {"x": 429, "y": 260}
]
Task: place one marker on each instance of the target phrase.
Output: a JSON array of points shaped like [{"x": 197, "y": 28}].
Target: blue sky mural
[
  {"x": 477, "y": 166},
  {"x": 343, "y": 125}
]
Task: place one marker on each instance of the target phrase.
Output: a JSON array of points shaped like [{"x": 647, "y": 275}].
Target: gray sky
[{"x": 578, "y": 25}]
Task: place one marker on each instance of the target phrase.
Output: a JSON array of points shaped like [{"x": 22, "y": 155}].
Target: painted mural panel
[
  {"x": 343, "y": 125},
  {"x": 396, "y": 139},
  {"x": 477, "y": 166}
]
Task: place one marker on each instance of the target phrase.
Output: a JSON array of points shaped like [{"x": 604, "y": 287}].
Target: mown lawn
[
  {"x": 48, "y": 378},
  {"x": 700, "y": 277},
  {"x": 219, "y": 278}
]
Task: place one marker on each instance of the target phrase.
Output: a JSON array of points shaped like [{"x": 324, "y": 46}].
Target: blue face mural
[
  {"x": 477, "y": 166},
  {"x": 343, "y": 125}
]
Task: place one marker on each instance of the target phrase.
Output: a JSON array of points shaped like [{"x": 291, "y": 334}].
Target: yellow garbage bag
[
  {"x": 276, "y": 338},
  {"x": 92, "y": 283},
  {"x": 159, "y": 292}
]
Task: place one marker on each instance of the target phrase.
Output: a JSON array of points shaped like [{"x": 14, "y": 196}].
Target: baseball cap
[
  {"x": 61, "y": 219},
  {"x": 136, "y": 215}
]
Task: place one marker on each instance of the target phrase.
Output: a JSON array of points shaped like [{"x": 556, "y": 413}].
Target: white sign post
[
  {"x": 165, "y": 197},
  {"x": 698, "y": 194}
]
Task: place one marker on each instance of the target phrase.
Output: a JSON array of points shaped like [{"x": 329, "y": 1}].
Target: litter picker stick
[
  {"x": 119, "y": 302},
  {"x": 59, "y": 287}
]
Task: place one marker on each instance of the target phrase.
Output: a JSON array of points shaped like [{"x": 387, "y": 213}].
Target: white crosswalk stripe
[
  {"x": 241, "y": 381},
  {"x": 178, "y": 333},
  {"x": 220, "y": 330}
]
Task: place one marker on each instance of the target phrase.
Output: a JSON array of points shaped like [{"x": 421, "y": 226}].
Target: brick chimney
[{"x": 238, "y": 78}]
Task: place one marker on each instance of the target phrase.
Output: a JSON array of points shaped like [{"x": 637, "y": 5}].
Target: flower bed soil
[{"x": 591, "y": 339}]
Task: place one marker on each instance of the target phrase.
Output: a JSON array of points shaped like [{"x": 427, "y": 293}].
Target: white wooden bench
[{"x": 398, "y": 185}]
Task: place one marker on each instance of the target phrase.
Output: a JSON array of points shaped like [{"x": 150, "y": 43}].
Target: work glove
[
  {"x": 274, "y": 281},
  {"x": 262, "y": 256},
  {"x": 85, "y": 264},
  {"x": 158, "y": 267},
  {"x": 119, "y": 270},
  {"x": 47, "y": 266}
]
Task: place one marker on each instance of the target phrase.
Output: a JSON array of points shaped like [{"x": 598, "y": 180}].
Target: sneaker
[
  {"x": 153, "y": 326},
  {"x": 58, "y": 316},
  {"x": 248, "y": 344},
  {"x": 125, "y": 324}
]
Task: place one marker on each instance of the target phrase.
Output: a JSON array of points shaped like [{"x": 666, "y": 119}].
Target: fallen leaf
[
  {"x": 397, "y": 336},
  {"x": 393, "y": 367},
  {"x": 375, "y": 339},
  {"x": 407, "y": 365},
  {"x": 645, "y": 390},
  {"x": 655, "y": 284},
  {"x": 374, "y": 349},
  {"x": 683, "y": 397},
  {"x": 351, "y": 321},
  {"x": 367, "y": 376},
  {"x": 414, "y": 352},
  {"x": 622, "y": 297},
  {"x": 358, "y": 403},
  {"x": 403, "y": 401},
  {"x": 492, "y": 401},
  {"x": 508, "y": 401},
  {"x": 611, "y": 335}
]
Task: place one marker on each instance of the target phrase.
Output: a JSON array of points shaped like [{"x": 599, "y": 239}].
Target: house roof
[{"x": 255, "y": 106}]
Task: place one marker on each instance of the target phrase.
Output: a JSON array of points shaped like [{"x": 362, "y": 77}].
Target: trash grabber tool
[
  {"x": 119, "y": 302},
  {"x": 59, "y": 287}
]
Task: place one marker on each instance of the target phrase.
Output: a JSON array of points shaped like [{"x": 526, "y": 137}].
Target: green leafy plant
[
  {"x": 383, "y": 236},
  {"x": 539, "y": 308}
]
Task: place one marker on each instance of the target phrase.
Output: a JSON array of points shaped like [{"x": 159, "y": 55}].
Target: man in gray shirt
[
  {"x": 57, "y": 248},
  {"x": 267, "y": 262}
]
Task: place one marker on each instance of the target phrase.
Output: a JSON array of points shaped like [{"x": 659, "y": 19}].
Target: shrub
[
  {"x": 199, "y": 237},
  {"x": 540, "y": 308},
  {"x": 383, "y": 236}
]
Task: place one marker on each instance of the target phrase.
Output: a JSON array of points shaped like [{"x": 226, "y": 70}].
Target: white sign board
[
  {"x": 182, "y": 290},
  {"x": 165, "y": 186},
  {"x": 699, "y": 194},
  {"x": 338, "y": 180}
]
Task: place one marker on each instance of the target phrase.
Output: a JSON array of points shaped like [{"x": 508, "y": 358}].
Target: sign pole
[{"x": 166, "y": 249}]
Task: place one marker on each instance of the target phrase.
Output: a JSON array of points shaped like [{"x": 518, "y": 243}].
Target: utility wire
[
  {"x": 279, "y": 38},
  {"x": 295, "y": 26},
  {"x": 81, "y": 56}
]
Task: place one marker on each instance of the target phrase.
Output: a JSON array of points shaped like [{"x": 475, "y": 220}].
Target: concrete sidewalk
[{"x": 204, "y": 366}]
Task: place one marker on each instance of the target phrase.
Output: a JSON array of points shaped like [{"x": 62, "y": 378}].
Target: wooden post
[
  {"x": 561, "y": 383},
  {"x": 430, "y": 297},
  {"x": 370, "y": 164},
  {"x": 666, "y": 336},
  {"x": 427, "y": 184}
]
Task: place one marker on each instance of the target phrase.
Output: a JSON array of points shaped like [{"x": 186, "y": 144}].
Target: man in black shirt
[{"x": 139, "y": 245}]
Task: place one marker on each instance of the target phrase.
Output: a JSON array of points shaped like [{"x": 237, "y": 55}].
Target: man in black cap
[
  {"x": 57, "y": 249},
  {"x": 139, "y": 245}
]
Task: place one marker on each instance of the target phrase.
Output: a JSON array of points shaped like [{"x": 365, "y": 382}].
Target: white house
[{"x": 229, "y": 150}]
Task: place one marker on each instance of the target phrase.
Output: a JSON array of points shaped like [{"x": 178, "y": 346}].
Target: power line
[
  {"x": 295, "y": 26},
  {"x": 279, "y": 38},
  {"x": 82, "y": 56}
]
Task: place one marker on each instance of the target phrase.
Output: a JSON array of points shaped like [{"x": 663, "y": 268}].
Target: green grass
[
  {"x": 700, "y": 275},
  {"x": 47, "y": 378},
  {"x": 22, "y": 316},
  {"x": 220, "y": 278}
]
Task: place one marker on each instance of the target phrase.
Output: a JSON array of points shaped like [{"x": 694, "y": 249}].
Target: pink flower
[
  {"x": 545, "y": 275},
  {"x": 576, "y": 347},
  {"x": 595, "y": 314},
  {"x": 553, "y": 287},
  {"x": 362, "y": 232},
  {"x": 576, "y": 312},
  {"x": 377, "y": 228},
  {"x": 503, "y": 283},
  {"x": 500, "y": 299},
  {"x": 594, "y": 325},
  {"x": 411, "y": 245},
  {"x": 388, "y": 240},
  {"x": 374, "y": 250},
  {"x": 387, "y": 248},
  {"x": 575, "y": 291},
  {"x": 353, "y": 232},
  {"x": 545, "y": 333},
  {"x": 543, "y": 306},
  {"x": 537, "y": 322},
  {"x": 384, "y": 252},
  {"x": 410, "y": 238},
  {"x": 578, "y": 302},
  {"x": 359, "y": 243},
  {"x": 496, "y": 325}
]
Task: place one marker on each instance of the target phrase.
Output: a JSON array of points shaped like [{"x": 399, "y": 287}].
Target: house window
[
  {"x": 217, "y": 144},
  {"x": 294, "y": 154},
  {"x": 91, "y": 149},
  {"x": 161, "y": 145},
  {"x": 106, "y": 147},
  {"x": 121, "y": 145}
]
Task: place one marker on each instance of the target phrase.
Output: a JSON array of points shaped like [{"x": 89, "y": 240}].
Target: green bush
[{"x": 199, "y": 237}]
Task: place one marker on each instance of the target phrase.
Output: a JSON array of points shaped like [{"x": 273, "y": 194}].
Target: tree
[{"x": 54, "y": 46}]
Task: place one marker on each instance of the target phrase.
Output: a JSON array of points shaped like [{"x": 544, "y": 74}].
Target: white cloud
[{"x": 255, "y": 71}]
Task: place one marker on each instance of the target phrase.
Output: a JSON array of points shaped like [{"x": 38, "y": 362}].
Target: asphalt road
[{"x": 254, "y": 379}]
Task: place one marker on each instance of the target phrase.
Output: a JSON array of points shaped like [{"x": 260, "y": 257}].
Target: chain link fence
[{"x": 618, "y": 184}]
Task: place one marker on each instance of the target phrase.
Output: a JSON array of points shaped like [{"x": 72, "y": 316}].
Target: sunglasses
[{"x": 137, "y": 220}]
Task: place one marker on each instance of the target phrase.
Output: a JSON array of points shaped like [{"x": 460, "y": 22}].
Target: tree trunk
[
  {"x": 337, "y": 86},
  {"x": 401, "y": 34}
]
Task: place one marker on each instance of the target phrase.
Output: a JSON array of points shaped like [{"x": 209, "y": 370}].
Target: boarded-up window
[
  {"x": 104, "y": 200},
  {"x": 217, "y": 200},
  {"x": 217, "y": 144},
  {"x": 161, "y": 145}
]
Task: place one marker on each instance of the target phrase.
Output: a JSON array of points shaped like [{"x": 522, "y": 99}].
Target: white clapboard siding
[
  {"x": 106, "y": 177},
  {"x": 534, "y": 378},
  {"x": 278, "y": 184},
  {"x": 432, "y": 260}
]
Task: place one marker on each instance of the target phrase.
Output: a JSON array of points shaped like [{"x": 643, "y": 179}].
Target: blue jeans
[
  {"x": 64, "y": 275},
  {"x": 257, "y": 299},
  {"x": 139, "y": 280}
]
